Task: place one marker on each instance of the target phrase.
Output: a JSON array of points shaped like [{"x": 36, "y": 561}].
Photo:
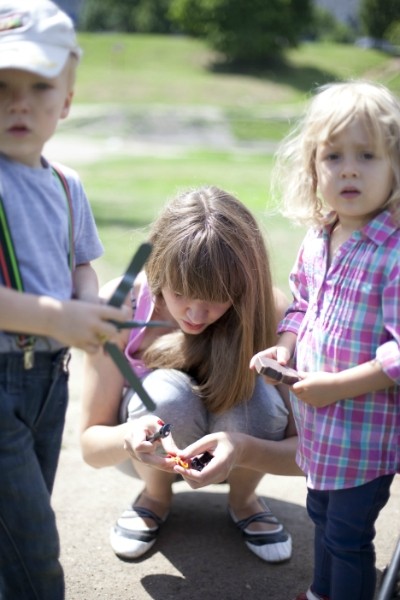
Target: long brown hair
[{"x": 208, "y": 246}]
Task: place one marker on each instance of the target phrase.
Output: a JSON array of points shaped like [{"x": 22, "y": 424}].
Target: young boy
[{"x": 48, "y": 289}]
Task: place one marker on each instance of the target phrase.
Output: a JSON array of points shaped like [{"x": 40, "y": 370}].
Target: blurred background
[{"x": 174, "y": 94}]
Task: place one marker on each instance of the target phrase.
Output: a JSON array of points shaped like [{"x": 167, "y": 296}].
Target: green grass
[
  {"x": 150, "y": 69},
  {"x": 126, "y": 194},
  {"x": 137, "y": 74}
]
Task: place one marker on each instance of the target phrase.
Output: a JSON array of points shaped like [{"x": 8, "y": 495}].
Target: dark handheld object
[
  {"x": 390, "y": 586},
  {"x": 116, "y": 300},
  {"x": 133, "y": 269},
  {"x": 133, "y": 324},
  {"x": 163, "y": 432},
  {"x": 271, "y": 368},
  {"x": 199, "y": 462}
]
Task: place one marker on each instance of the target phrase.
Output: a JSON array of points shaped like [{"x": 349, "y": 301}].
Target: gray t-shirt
[{"x": 38, "y": 218}]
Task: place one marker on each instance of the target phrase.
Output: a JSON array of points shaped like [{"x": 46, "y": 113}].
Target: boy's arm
[
  {"x": 85, "y": 282},
  {"x": 71, "y": 322}
]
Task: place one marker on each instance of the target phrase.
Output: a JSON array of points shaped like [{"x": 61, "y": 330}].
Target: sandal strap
[
  {"x": 146, "y": 513},
  {"x": 265, "y": 517}
]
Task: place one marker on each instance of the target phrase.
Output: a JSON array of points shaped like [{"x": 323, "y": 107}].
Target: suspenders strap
[
  {"x": 8, "y": 260},
  {"x": 9, "y": 266},
  {"x": 64, "y": 184}
]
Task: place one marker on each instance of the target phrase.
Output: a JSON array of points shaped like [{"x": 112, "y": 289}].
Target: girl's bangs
[
  {"x": 333, "y": 123},
  {"x": 199, "y": 275},
  {"x": 351, "y": 106}
]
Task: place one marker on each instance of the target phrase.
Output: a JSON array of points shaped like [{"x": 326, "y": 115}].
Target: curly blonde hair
[
  {"x": 208, "y": 246},
  {"x": 294, "y": 179}
]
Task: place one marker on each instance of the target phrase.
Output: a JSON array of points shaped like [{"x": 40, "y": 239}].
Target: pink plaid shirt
[{"x": 343, "y": 316}]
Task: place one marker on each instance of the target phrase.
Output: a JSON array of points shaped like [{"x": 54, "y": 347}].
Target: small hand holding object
[
  {"x": 141, "y": 431},
  {"x": 198, "y": 462},
  {"x": 150, "y": 441},
  {"x": 138, "y": 446},
  {"x": 272, "y": 369},
  {"x": 164, "y": 432},
  {"x": 211, "y": 459}
]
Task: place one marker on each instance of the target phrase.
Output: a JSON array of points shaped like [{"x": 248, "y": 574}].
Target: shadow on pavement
[
  {"x": 200, "y": 554},
  {"x": 211, "y": 560}
]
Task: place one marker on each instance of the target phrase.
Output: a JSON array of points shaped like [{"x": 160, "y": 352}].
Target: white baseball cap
[{"x": 36, "y": 36}]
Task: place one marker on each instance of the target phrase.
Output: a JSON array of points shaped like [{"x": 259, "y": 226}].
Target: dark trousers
[
  {"x": 32, "y": 414},
  {"x": 344, "y": 554}
]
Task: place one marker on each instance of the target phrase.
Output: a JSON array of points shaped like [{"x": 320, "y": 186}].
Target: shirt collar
[{"x": 378, "y": 230}]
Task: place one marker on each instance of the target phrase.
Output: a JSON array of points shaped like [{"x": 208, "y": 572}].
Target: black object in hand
[
  {"x": 163, "y": 432},
  {"x": 199, "y": 462}
]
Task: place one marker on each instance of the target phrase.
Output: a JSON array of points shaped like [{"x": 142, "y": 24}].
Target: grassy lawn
[
  {"x": 139, "y": 74},
  {"x": 127, "y": 193},
  {"x": 150, "y": 70},
  {"x": 141, "y": 71}
]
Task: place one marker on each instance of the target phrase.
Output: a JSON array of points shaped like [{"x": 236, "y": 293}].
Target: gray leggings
[{"x": 264, "y": 416}]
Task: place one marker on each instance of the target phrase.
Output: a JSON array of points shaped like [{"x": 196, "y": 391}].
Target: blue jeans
[
  {"x": 32, "y": 414},
  {"x": 344, "y": 554}
]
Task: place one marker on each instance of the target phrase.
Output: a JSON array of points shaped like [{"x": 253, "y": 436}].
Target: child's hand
[
  {"x": 154, "y": 452},
  {"x": 318, "y": 389},
  {"x": 321, "y": 388},
  {"x": 279, "y": 353},
  {"x": 224, "y": 448},
  {"x": 84, "y": 325}
]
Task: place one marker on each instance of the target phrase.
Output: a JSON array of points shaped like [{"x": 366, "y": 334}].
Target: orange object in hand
[{"x": 179, "y": 461}]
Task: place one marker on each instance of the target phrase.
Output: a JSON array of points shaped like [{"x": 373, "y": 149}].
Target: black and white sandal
[
  {"x": 272, "y": 546},
  {"x": 129, "y": 542}
]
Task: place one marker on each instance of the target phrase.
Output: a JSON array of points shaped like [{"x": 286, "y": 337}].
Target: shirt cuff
[
  {"x": 291, "y": 322},
  {"x": 388, "y": 356}
]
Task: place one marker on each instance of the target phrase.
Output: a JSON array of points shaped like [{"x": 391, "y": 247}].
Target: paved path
[
  {"x": 199, "y": 554},
  {"x": 93, "y": 133}
]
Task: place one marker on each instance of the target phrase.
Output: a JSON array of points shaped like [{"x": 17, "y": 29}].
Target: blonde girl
[{"x": 340, "y": 173}]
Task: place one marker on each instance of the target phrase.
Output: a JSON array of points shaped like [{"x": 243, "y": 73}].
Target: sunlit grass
[
  {"x": 127, "y": 194},
  {"x": 134, "y": 76},
  {"x": 154, "y": 69}
]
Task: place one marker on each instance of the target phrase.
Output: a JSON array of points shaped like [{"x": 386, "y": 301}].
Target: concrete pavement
[{"x": 199, "y": 555}]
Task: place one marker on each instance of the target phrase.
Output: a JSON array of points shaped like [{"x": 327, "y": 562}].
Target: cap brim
[{"x": 47, "y": 61}]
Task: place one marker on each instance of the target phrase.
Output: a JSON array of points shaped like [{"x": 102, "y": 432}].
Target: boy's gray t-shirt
[{"x": 38, "y": 218}]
